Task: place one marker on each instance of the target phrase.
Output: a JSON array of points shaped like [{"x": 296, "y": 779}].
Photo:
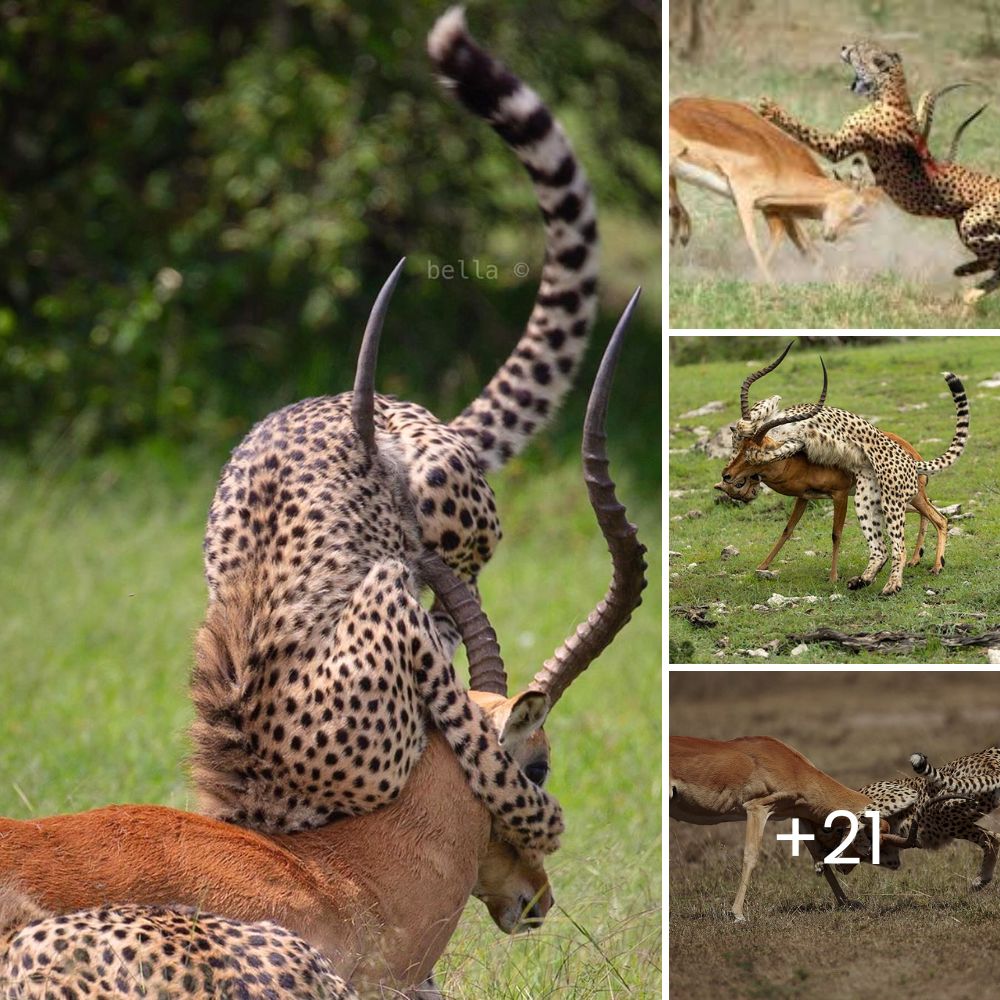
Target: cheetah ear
[{"x": 525, "y": 715}]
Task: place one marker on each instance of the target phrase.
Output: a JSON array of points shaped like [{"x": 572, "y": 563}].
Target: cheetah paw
[
  {"x": 857, "y": 582},
  {"x": 891, "y": 588}
]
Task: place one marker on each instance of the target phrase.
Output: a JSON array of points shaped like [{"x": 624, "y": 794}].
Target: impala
[
  {"x": 798, "y": 477},
  {"x": 378, "y": 894},
  {"x": 755, "y": 778},
  {"x": 729, "y": 149}
]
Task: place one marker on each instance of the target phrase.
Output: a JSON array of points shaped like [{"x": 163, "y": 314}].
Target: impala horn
[
  {"x": 486, "y": 669},
  {"x": 363, "y": 401},
  {"x": 810, "y": 412},
  {"x": 628, "y": 578},
  {"x": 750, "y": 379}
]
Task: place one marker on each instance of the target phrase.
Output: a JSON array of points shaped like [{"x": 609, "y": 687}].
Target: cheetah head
[{"x": 873, "y": 67}]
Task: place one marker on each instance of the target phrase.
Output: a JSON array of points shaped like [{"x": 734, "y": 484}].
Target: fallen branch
[{"x": 902, "y": 642}]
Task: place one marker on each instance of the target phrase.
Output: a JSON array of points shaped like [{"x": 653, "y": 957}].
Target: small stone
[
  {"x": 767, "y": 574},
  {"x": 800, "y": 649},
  {"x": 955, "y": 532},
  {"x": 836, "y": 597},
  {"x": 673, "y": 552},
  {"x": 779, "y": 601},
  {"x": 729, "y": 551},
  {"x": 692, "y": 565},
  {"x": 809, "y": 599},
  {"x": 809, "y": 552},
  {"x": 713, "y": 407},
  {"x": 692, "y": 514},
  {"x": 993, "y": 653}
]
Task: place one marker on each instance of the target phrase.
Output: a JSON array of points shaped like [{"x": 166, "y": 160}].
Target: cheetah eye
[{"x": 537, "y": 771}]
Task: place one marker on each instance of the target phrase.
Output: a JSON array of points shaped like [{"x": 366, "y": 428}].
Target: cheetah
[
  {"x": 886, "y": 476},
  {"x": 893, "y": 140},
  {"x": 974, "y": 780},
  {"x": 162, "y": 952},
  {"x": 316, "y": 663}
]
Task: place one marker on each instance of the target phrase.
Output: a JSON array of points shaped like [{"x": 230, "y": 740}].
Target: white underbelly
[{"x": 701, "y": 177}]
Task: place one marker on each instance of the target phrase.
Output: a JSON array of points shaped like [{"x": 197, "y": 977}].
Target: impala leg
[
  {"x": 918, "y": 548},
  {"x": 778, "y": 230},
  {"x": 927, "y": 510},
  {"x": 800, "y": 506},
  {"x": 818, "y": 853},
  {"x": 758, "y": 811},
  {"x": 744, "y": 208},
  {"x": 839, "y": 514},
  {"x": 798, "y": 236},
  {"x": 680, "y": 221}
]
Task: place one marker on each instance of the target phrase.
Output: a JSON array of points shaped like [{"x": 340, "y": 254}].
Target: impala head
[
  {"x": 874, "y": 68},
  {"x": 514, "y": 886},
  {"x": 741, "y": 478},
  {"x": 848, "y": 207}
]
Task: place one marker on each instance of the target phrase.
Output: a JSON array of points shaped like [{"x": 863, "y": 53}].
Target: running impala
[{"x": 727, "y": 148}]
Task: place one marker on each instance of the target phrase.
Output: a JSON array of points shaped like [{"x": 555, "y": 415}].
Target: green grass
[
  {"x": 98, "y": 606},
  {"x": 896, "y": 270},
  {"x": 874, "y": 381}
]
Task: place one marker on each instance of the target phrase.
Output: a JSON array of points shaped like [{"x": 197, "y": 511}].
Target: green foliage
[{"x": 199, "y": 203}]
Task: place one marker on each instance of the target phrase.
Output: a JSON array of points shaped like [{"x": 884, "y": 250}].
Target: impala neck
[{"x": 414, "y": 863}]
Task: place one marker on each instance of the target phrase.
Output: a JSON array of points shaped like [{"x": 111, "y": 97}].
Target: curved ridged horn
[
  {"x": 363, "y": 402},
  {"x": 953, "y": 148},
  {"x": 628, "y": 579},
  {"x": 910, "y": 840},
  {"x": 486, "y": 669},
  {"x": 811, "y": 412},
  {"x": 750, "y": 379}
]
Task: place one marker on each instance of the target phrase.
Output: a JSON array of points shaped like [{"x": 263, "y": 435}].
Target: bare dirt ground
[{"x": 922, "y": 933}]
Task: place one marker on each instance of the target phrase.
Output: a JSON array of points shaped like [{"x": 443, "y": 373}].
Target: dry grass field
[{"x": 922, "y": 933}]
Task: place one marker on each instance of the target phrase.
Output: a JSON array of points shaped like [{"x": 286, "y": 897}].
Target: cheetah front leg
[
  {"x": 833, "y": 146},
  {"x": 764, "y": 455},
  {"x": 868, "y": 505}
]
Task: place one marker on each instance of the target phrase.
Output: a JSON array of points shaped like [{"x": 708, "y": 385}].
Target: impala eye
[{"x": 537, "y": 771}]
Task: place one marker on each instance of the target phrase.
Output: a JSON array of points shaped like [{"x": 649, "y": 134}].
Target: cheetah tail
[
  {"x": 534, "y": 380},
  {"x": 957, "y": 445}
]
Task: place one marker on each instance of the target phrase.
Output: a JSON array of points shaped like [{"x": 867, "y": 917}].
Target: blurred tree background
[{"x": 199, "y": 201}]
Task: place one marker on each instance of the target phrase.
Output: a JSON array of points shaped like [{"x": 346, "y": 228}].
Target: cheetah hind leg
[
  {"x": 971, "y": 295},
  {"x": 868, "y": 504},
  {"x": 894, "y": 513}
]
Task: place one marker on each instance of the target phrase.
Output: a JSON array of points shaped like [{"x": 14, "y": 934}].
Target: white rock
[
  {"x": 836, "y": 597},
  {"x": 990, "y": 383},
  {"x": 713, "y": 407},
  {"x": 729, "y": 551},
  {"x": 673, "y": 552},
  {"x": 993, "y": 655},
  {"x": 767, "y": 574},
  {"x": 810, "y": 599},
  {"x": 760, "y": 654},
  {"x": 691, "y": 565},
  {"x": 809, "y": 552},
  {"x": 800, "y": 649},
  {"x": 779, "y": 601}
]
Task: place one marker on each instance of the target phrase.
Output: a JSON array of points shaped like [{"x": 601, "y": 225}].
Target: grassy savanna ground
[
  {"x": 894, "y": 272},
  {"x": 922, "y": 934},
  {"x": 876, "y": 381},
  {"x": 100, "y": 597}
]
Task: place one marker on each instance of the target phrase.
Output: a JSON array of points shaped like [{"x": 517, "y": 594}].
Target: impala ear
[{"x": 525, "y": 717}]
